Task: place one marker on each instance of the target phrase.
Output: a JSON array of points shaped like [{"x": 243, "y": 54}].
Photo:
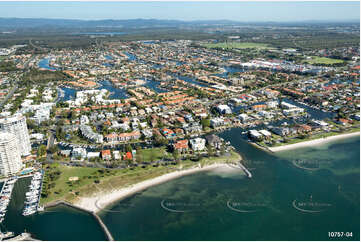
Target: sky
[{"x": 237, "y": 11}]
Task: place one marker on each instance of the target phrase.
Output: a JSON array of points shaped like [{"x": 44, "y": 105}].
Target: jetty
[
  {"x": 22, "y": 237},
  {"x": 31, "y": 204},
  {"x": 239, "y": 165},
  {"x": 5, "y": 196}
]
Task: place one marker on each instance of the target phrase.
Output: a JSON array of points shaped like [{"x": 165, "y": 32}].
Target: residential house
[
  {"x": 106, "y": 155},
  {"x": 92, "y": 155},
  {"x": 198, "y": 144},
  {"x": 78, "y": 153},
  {"x": 181, "y": 146},
  {"x": 214, "y": 141},
  {"x": 216, "y": 122},
  {"x": 255, "y": 135},
  {"x": 224, "y": 109},
  {"x": 88, "y": 133},
  {"x": 168, "y": 133}
]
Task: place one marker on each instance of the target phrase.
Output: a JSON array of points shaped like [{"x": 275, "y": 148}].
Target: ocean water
[
  {"x": 280, "y": 202},
  {"x": 58, "y": 223},
  {"x": 219, "y": 205}
]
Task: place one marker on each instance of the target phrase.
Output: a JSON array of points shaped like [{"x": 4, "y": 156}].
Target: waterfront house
[
  {"x": 255, "y": 135},
  {"x": 303, "y": 128},
  {"x": 148, "y": 133},
  {"x": 216, "y": 122},
  {"x": 128, "y": 156},
  {"x": 266, "y": 134},
  {"x": 78, "y": 153},
  {"x": 224, "y": 109},
  {"x": 65, "y": 153},
  {"x": 116, "y": 154},
  {"x": 92, "y": 155},
  {"x": 198, "y": 144},
  {"x": 181, "y": 146},
  {"x": 214, "y": 141},
  {"x": 106, "y": 155}
]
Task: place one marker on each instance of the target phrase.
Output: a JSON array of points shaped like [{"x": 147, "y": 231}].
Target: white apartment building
[
  {"x": 198, "y": 144},
  {"x": 10, "y": 158},
  {"x": 16, "y": 125}
]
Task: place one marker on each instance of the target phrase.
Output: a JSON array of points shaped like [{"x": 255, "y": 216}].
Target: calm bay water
[
  {"x": 199, "y": 207},
  {"x": 224, "y": 205},
  {"x": 59, "y": 223}
]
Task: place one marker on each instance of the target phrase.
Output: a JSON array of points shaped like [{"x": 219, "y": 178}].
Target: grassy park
[
  {"x": 58, "y": 186},
  {"x": 323, "y": 60},
  {"x": 237, "y": 45}
]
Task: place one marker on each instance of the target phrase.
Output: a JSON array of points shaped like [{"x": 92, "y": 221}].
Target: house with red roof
[
  {"x": 128, "y": 156},
  {"x": 106, "y": 155},
  {"x": 181, "y": 146}
]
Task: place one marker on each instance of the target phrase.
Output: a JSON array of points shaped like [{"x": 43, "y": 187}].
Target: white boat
[
  {"x": 11, "y": 181},
  {"x": 33, "y": 193},
  {"x": 28, "y": 212}
]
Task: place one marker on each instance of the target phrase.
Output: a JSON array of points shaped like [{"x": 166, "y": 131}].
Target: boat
[
  {"x": 11, "y": 181},
  {"x": 33, "y": 193}
]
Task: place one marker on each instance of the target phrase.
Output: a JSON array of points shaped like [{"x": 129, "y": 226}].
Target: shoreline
[
  {"x": 98, "y": 202},
  {"x": 314, "y": 142}
]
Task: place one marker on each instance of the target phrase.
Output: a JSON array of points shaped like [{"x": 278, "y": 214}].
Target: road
[{"x": 10, "y": 94}]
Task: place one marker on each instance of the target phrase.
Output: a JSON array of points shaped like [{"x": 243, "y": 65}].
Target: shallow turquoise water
[
  {"x": 195, "y": 207},
  {"x": 223, "y": 205}
]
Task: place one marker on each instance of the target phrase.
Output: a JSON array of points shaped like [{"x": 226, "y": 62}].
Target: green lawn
[
  {"x": 236, "y": 45},
  {"x": 155, "y": 153},
  {"x": 61, "y": 188},
  {"x": 323, "y": 60},
  {"x": 92, "y": 180}
]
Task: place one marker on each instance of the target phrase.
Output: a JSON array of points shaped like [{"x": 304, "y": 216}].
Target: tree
[
  {"x": 59, "y": 133},
  {"x": 152, "y": 156},
  {"x": 128, "y": 148},
  {"x": 139, "y": 156},
  {"x": 175, "y": 154},
  {"x": 206, "y": 122},
  {"x": 53, "y": 149},
  {"x": 159, "y": 140},
  {"x": 72, "y": 115},
  {"x": 41, "y": 150},
  {"x": 210, "y": 150},
  {"x": 31, "y": 124}
]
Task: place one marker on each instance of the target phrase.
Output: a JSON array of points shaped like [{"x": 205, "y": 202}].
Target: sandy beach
[
  {"x": 99, "y": 201},
  {"x": 313, "y": 142}
]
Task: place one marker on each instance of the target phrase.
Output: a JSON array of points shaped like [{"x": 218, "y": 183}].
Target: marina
[
  {"x": 32, "y": 197},
  {"x": 5, "y": 196}
]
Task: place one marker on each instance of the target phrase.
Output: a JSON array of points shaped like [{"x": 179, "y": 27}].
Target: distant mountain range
[
  {"x": 133, "y": 23},
  {"x": 39, "y": 22}
]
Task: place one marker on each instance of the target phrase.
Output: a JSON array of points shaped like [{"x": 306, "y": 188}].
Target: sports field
[
  {"x": 323, "y": 60},
  {"x": 237, "y": 45}
]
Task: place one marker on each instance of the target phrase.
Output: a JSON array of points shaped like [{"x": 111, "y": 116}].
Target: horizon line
[{"x": 181, "y": 20}]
